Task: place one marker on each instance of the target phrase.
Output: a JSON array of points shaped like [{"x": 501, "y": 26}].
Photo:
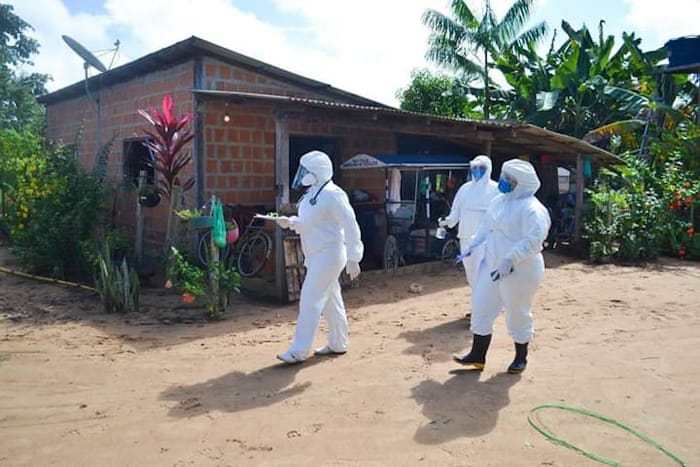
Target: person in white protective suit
[
  {"x": 513, "y": 229},
  {"x": 468, "y": 209},
  {"x": 330, "y": 241}
]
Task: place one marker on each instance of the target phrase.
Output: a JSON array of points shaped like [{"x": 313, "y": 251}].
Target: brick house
[{"x": 254, "y": 120}]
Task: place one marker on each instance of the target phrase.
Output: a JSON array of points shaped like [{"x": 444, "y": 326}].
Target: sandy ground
[{"x": 165, "y": 388}]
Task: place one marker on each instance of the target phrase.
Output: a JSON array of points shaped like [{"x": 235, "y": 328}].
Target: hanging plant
[{"x": 149, "y": 196}]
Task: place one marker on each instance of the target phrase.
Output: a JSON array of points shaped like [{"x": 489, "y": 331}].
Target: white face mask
[{"x": 308, "y": 179}]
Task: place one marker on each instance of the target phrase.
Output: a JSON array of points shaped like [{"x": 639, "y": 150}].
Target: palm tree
[{"x": 469, "y": 45}]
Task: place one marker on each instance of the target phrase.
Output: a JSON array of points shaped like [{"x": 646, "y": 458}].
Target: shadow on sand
[
  {"x": 461, "y": 406},
  {"x": 439, "y": 342},
  {"x": 238, "y": 391}
]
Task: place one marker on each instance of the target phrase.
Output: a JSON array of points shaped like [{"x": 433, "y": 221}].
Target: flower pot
[
  {"x": 200, "y": 223},
  {"x": 232, "y": 235}
]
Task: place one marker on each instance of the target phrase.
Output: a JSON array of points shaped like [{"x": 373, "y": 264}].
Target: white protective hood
[
  {"x": 524, "y": 173},
  {"x": 319, "y": 164}
]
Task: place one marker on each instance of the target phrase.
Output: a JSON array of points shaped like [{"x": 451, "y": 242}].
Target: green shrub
[
  {"x": 55, "y": 208},
  {"x": 215, "y": 283},
  {"x": 640, "y": 211}
]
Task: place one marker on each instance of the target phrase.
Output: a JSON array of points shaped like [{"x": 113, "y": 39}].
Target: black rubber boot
[
  {"x": 477, "y": 356},
  {"x": 520, "y": 362}
]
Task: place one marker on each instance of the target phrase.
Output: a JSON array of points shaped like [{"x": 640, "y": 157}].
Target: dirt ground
[{"x": 167, "y": 388}]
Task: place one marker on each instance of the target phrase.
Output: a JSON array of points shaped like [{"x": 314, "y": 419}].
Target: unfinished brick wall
[
  {"x": 239, "y": 155},
  {"x": 119, "y": 120}
]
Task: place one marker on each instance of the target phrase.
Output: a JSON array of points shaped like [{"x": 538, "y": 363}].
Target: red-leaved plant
[{"x": 168, "y": 139}]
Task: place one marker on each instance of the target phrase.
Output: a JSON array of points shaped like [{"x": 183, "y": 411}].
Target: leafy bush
[
  {"x": 53, "y": 210},
  {"x": 640, "y": 210},
  {"x": 216, "y": 283}
]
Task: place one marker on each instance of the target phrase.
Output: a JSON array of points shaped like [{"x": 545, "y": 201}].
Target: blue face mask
[
  {"x": 504, "y": 186},
  {"x": 477, "y": 173}
]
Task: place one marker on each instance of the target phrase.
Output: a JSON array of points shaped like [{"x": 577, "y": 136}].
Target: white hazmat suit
[
  {"x": 513, "y": 230},
  {"x": 468, "y": 209},
  {"x": 330, "y": 241}
]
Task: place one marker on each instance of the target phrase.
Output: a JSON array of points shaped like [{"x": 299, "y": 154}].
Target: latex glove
[
  {"x": 461, "y": 257},
  {"x": 352, "y": 269},
  {"x": 284, "y": 222},
  {"x": 442, "y": 222},
  {"x": 504, "y": 269},
  {"x": 289, "y": 222}
]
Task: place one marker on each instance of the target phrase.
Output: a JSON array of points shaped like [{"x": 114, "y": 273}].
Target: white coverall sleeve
[
  {"x": 479, "y": 237},
  {"x": 345, "y": 216},
  {"x": 536, "y": 225},
  {"x": 453, "y": 218}
]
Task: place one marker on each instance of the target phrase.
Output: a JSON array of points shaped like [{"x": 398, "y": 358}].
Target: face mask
[
  {"x": 303, "y": 178},
  {"x": 308, "y": 179},
  {"x": 504, "y": 186},
  {"x": 477, "y": 173}
]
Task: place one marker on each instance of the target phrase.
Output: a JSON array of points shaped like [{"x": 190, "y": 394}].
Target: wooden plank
[
  {"x": 578, "y": 209},
  {"x": 293, "y": 266},
  {"x": 282, "y": 196}
]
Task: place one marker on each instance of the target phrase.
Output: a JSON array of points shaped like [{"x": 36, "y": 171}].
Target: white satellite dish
[{"x": 85, "y": 54}]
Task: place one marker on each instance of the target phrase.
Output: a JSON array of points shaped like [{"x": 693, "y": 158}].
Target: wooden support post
[
  {"x": 488, "y": 148},
  {"x": 173, "y": 221},
  {"x": 281, "y": 198},
  {"x": 578, "y": 209},
  {"x": 139, "y": 220},
  {"x": 212, "y": 266}
]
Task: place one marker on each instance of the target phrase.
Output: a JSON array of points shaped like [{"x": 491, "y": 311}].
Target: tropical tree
[
  {"x": 438, "y": 95},
  {"x": 468, "y": 45},
  {"x": 19, "y": 109}
]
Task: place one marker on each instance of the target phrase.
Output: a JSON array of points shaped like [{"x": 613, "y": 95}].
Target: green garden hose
[
  {"x": 610, "y": 421},
  {"x": 14, "y": 272}
]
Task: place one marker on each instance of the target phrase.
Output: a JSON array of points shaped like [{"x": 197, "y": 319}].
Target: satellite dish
[{"x": 85, "y": 54}]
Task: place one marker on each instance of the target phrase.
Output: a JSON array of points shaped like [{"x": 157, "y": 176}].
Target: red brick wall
[
  {"x": 239, "y": 156},
  {"x": 119, "y": 104}
]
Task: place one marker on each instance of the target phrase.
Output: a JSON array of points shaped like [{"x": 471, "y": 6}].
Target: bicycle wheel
[
  {"x": 450, "y": 250},
  {"x": 253, "y": 255},
  {"x": 204, "y": 246}
]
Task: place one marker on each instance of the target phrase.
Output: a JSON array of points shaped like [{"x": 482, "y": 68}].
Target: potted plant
[{"x": 195, "y": 218}]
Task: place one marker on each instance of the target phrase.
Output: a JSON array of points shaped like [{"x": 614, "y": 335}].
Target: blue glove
[
  {"x": 460, "y": 257},
  {"x": 504, "y": 269}
]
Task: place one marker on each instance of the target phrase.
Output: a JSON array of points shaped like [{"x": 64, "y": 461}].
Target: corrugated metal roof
[
  {"x": 505, "y": 133},
  {"x": 415, "y": 161}
]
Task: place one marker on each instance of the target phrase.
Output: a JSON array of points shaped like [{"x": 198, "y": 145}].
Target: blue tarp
[{"x": 408, "y": 161}]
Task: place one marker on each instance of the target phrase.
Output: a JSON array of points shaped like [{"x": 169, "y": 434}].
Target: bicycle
[{"x": 249, "y": 254}]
